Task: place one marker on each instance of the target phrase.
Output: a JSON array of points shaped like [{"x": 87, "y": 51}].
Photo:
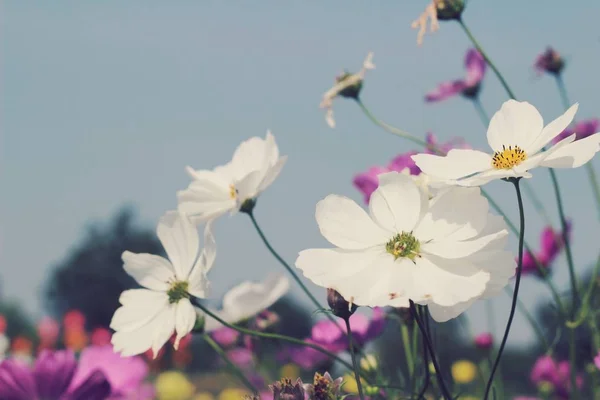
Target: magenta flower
[
  {"x": 484, "y": 341},
  {"x": 367, "y": 182},
  {"x": 225, "y": 337},
  {"x": 51, "y": 379},
  {"x": 547, "y": 371},
  {"x": 241, "y": 356},
  {"x": 581, "y": 130},
  {"x": 328, "y": 335},
  {"x": 551, "y": 244},
  {"x": 597, "y": 360},
  {"x": 125, "y": 374},
  {"x": 468, "y": 87},
  {"x": 549, "y": 61}
]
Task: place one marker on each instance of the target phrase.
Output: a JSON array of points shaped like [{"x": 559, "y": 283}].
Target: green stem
[
  {"x": 485, "y": 119},
  {"x": 231, "y": 365},
  {"x": 354, "y": 363},
  {"x": 517, "y": 284},
  {"x": 573, "y": 362},
  {"x": 589, "y": 167},
  {"x": 407, "y": 351},
  {"x": 426, "y": 364},
  {"x": 389, "y": 128},
  {"x": 487, "y": 59},
  {"x": 538, "y": 332}
]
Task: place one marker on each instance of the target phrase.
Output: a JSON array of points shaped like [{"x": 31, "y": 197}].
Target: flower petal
[
  {"x": 150, "y": 271},
  {"x": 446, "y": 313},
  {"x": 198, "y": 282},
  {"x": 164, "y": 326},
  {"x": 346, "y": 225},
  {"x": 491, "y": 175},
  {"x": 517, "y": 123},
  {"x": 458, "y": 163},
  {"x": 185, "y": 318},
  {"x": 180, "y": 240},
  {"x": 454, "y": 214},
  {"x": 206, "y": 197},
  {"x": 251, "y": 155},
  {"x": 452, "y": 249},
  {"x": 397, "y": 203},
  {"x": 574, "y": 154},
  {"x": 272, "y": 174},
  {"x": 552, "y": 130},
  {"x": 139, "y": 307}
]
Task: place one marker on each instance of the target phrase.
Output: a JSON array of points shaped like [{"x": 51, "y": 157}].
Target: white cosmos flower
[
  {"x": 148, "y": 317},
  {"x": 441, "y": 252},
  {"x": 347, "y": 85},
  {"x": 517, "y": 136},
  {"x": 248, "y": 299},
  {"x": 254, "y": 166}
]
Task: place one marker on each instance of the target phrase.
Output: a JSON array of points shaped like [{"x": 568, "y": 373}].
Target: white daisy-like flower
[
  {"x": 148, "y": 317},
  {"x": 247, "y": 300},
  {"x": 346, "y": 85},
  {"x": 441, "y": 252},
  {"x": 517, "y": 137},
  {"x": 255, "y": 165}
]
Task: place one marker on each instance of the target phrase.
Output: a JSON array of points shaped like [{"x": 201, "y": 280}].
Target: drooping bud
[
  {"x": 340, "y": 307},
  {"x": 449, "y": 9},
  {"x": 549, "y": 61},
  {"x": 286, "y": 390}
]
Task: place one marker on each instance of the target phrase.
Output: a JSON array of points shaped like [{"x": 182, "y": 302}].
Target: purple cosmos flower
[
  {"x": 468, "y": 87},
  {"x": 547, "y": 371},
  {"x": 241, "y": 357},
  {"x": 50, "y": 379},
  {"x": 484, "y": 341},
  {"x": 597, "y": 360},
  {"x": 367, "y": 182},
  {"x": 125, "y": 374},
  {"x": 328, "y": 335},
  {"x": 225, "y": 337},
  {"x": 581, "y": 130},
  {"x": 549, "y": 61},
  {"x": 551, "y": 244}
]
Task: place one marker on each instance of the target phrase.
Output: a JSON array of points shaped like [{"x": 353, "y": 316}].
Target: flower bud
[
  {"x": 340, "y": 307},
  {"x": 449, "y": 9},
  {"x": 550, "y": 61},
  {"x": 286, "y": 390},
  {"x": 247, "y": 206},
  {"x": 484, "y": 341},
  {"x": 199, "y": 324}
]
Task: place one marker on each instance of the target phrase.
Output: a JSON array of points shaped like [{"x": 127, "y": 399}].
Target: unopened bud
[
  {"x": 484, "y": 341},
  {"x": 369, "y": 363},
  {"x": 286, "y": 390},
  {"x": 550, "y": 61},
  {"x": 199, "y": 324},
  {"x": 449, "y": 9},
  {"x": 340, "y": 307}
]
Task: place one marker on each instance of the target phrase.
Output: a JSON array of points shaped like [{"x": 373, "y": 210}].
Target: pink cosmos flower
[
  {"x": 484, "y": 341},
  {"x": 547, "y": 370},
  {"x": 48, "y": 331},
  {"x": 367, "y": 182},
  {"x": 551, "y": 244},
  {"x": 597, "y": 360},
  {"x": 125, "y": 374},
  {"x": 581, "y": 130},
  {"x": 101, "y": 337},
  {"x": 549, "y": 61},
  {"x": 468, "y": 87},
  {"x": 241, "y": 356},
  {"x": 225, "y": 337}
]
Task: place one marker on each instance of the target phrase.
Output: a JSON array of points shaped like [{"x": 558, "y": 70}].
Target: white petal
[
  {"x": 250, "y": 298},
  {"x": 139, "y": 307},
  {"x": 206, "y": 197},
  {"x": 180, "y": 240},
  {"x": 445, "y": 282},
  {"x": 198, "y": 281},
  {"x": 552, "y": 130},
  {"x": 458, "y": 163},
  {"x": 394, "y": 283},
  {"x": 454, "y": 214},
  {"x": 574, "y": 154},
  {"x": 271, "y": 150},
  {"x": 443, "y": 313},
  {"x": 452, "y": 249},
  {"x": 397, "y": 203},
  {"x": 491, "y": 175},
  {"x": 165, "y": 326},
  {"x": 536, "y": 160},
  {"x": 329, "y": 117},
  {"x": 247, "y": 187},
  {"x": 326, "y": 267},
  {"x": 150, "y": 271},
  {"x": 185, "y": 318},
  {"x": 517, "y": 123},
  {"x": 345, "y": 224},
  {"x": 251, "y": 155},
  {"x": 272, "y": 174}
]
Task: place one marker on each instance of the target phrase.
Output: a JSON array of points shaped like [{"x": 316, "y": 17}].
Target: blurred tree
[
  {"x": 18, "y": 322},
  {"x": 91, "y": 277}
]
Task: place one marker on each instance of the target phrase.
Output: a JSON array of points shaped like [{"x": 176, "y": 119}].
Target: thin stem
[
  {"x": 487, "y": 59},
  {"x": 407, "y": 350},
  {"x": 429, "y": 347},
  {"x": 517, "y": 285},
  {"x": 231, "y": 365},
  {"x": 594, "y": 183},
  {"x": 562, "y": 91},
  {"x": 538, "y": 332},
  {"x": 427, "y": 375},
  {"x": 389, "y": 128},
  {"x": 354, "y": 363},
  {"x": 485, "y": 119},
  {"x": 573, "y": 362}
]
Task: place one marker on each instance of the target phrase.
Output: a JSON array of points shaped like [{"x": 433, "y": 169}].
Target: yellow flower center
[
  {"x": 508, "y": 157},
  {"x": 403, "y": 245},
  {"x": 232, "y": 191},
  {"x": 178, "y": 291}
]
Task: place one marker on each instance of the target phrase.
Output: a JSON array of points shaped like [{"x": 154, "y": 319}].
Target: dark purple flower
[
  {"x": 367, "y": 182},
  {"x": 50, "y": 379},
  {"x": 549, "y": 61},
  {"x": 551, "y": 244},
  {"x": 468, "y": 87},
  {"x": 581, "y": 130},
  {"x": 547, "y": 372}
]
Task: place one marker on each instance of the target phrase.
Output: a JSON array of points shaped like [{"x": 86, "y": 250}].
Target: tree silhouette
[{"x": 91, "y": 277}]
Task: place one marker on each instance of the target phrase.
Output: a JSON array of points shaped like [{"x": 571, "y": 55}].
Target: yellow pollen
[
  {"x": 508, "y": 157},
  {"x": 232, "y": 191}
]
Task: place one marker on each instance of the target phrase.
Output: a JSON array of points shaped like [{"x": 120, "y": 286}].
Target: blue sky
[{"x": 105, "y": 103}]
